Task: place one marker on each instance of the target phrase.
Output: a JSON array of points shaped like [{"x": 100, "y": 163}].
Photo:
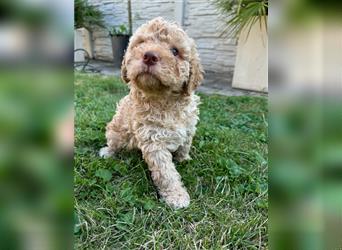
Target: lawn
[{"x": 116, "y": 204}]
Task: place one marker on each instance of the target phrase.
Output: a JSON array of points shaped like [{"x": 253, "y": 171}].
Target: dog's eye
[{"x": 175, "y": 51}]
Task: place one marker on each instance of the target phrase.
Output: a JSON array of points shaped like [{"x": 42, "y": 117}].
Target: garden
[{"x": 116, "y": 204}]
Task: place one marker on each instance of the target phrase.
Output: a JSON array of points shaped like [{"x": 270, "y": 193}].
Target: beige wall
[{"x": 251, "y": 67}]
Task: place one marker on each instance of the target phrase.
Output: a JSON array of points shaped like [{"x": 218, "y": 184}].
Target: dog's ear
[
  {"x": 195, "y": 72},
  {"x": 124, "y": 70}
]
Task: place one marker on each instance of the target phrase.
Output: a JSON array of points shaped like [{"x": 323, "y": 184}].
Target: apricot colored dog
[{"x": 160, "y": 113}]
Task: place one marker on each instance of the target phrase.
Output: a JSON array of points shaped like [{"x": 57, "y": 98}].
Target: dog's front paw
[
  {"x": 105, "y": 153},
  {"x": 177, "y": 199}
]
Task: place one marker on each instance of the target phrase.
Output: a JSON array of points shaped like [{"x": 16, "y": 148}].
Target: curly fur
[{"x": 160, "y": 113}]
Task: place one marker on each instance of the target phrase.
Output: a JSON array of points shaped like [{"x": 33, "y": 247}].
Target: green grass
[{"x": 116, "y": 204}]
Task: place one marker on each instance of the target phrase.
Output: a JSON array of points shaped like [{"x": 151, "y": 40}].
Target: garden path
[{"x": 214, "y": 83}]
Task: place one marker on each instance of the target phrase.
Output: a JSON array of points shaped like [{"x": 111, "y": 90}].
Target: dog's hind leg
[
  {"x": 117, "y": 138},
  {"x": 182, "y": 153}
]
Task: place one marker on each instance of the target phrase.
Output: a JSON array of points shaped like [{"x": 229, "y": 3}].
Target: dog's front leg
[{"x": 166, "y": 177}]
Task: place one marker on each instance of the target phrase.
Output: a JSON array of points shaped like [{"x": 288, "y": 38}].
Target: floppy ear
[
  {"x": 124, "y": 70},
  {"x": 195, "y": 72}
]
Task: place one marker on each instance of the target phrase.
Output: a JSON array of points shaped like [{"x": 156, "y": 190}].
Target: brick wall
[{"x": 201, "y": 21}]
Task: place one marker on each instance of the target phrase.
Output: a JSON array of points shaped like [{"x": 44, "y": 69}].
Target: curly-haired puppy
[{"x": 159, "y": 115}]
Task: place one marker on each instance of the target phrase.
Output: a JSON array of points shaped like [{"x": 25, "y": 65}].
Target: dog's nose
[{"x": 150, "y": 58}]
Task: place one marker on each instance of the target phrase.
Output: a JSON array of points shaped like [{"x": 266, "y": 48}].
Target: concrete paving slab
[{"x": 213, "y": 83}]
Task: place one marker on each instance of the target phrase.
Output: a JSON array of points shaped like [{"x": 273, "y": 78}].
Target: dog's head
[{"x": 161, "y": 57}]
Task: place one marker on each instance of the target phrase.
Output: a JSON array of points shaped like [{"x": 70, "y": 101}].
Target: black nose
[{"x": 150, "y": 58}]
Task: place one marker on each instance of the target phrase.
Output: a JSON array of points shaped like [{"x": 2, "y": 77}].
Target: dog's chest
[{"x": 170, "y": 127}]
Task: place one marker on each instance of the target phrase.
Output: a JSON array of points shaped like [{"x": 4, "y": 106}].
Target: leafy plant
[
  {"x": 243, "y": 14},
  {"x": 87, "y": 15},
  {"x": 118, "y": 30}
]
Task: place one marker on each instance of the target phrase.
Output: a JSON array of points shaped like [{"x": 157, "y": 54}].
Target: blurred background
[
  {"x": 305, "y": 129},
  {"x": 36, "y": 124}
]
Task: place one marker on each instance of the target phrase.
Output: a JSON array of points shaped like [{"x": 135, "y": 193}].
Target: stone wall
[
  {"x": 200, "y": 20},
  {"x": 202, "y": 23}
]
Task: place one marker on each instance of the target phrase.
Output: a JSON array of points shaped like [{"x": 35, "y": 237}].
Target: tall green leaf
[{"x": 242, "y": 14}]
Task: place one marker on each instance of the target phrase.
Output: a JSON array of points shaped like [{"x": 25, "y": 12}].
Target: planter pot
[
  {"x": 82, "y": 41},
  {"x": 119, "y": 45},
  {"x": 251, "y": 66}
]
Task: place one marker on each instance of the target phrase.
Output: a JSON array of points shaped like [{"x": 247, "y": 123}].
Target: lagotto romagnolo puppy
[{"x": 160, "y": 113}]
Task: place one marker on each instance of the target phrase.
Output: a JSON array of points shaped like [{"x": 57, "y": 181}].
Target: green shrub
[{"x": 87, "y": 15}]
